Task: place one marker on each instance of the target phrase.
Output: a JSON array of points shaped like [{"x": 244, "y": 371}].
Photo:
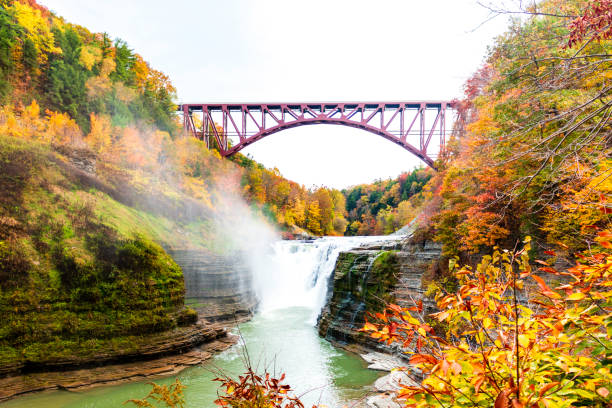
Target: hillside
[
  {"x": 532, "y": 153},
  {"x": 514, "y": 309},
  {"x": 98, "y": 182},
  {"x": 95, "y": 185}
]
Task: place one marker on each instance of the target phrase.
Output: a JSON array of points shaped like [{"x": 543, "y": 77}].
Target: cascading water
[
  {"x": 291, "y": 280},
  {"x": 296, "y": 273}
]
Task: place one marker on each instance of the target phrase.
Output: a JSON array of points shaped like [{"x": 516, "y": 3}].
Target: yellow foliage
[
  {"x": 123, "y": 93},
  {"x": 581, "y": 204},
  {"x": 61, "y": 129},
  {"x": 8, "y": 122},
  {"x": 90, "y": 55},
  {"x": 28, "y": 125},
  {"x": 100, "y": 136},
  {"x": 406, "y": 212},
  {"x": 97, "y": 86},
  {"x": 483, "y": 125},
  {"x": 108, "y": 66},
  {"x": 141, "y": 69},
  {"x": 101, "y": 84},
  {"x": 38, "y": 30}
]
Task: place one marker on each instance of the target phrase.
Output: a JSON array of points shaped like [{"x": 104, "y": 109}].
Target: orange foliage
[
  {"x": 254, "y": 391},
  {"x": 495, "y": 351}
]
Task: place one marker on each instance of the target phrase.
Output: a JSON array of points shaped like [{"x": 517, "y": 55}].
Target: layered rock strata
[
  {"x": 364, "y": 280},
  {"x": 114, "y": 374},
  {"x": 218, "y": 287},
  {"x": 368, "y": 277}
]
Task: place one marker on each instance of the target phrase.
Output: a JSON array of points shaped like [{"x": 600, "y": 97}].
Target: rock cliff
[
  {"x": 367, "y": 277},
  {"x": 218, "y": 287}
]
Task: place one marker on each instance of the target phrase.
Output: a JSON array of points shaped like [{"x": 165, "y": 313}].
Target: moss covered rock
[{"x": 71, "y": 283}]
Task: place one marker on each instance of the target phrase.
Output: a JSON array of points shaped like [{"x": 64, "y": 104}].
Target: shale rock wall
[
  {"x": 218, "y": 287},
  {"x": 366, "y": 278}
]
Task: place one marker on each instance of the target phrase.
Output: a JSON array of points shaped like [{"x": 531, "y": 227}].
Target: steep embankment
[
  {"x": 218, "y": 286},
  {"x": 95, "y": 184},
  {"x": 75, "y": 288},
  {"x": 528, "y": 167},
  {"x": 84, "y": 281}
]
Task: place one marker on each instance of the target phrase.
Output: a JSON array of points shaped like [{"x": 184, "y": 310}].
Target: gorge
[{"x": 278, "y": 297}]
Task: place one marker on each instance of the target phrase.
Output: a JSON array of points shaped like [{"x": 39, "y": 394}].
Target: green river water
[{"x": 283, "y": 338}]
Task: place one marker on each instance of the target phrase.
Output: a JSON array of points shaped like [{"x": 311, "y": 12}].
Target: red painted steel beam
[{"x": 276, "y": 117}]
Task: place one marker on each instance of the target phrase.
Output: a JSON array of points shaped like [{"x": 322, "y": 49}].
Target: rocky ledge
[
  {"x": 386, "y": 387},
  {"x": 164, "y": 355},
  {"x": 112, "y": 374},
  {"x": 368, "y": 277},
  {"x": 217, "y": 287},
  {"x": 365, "y": 279}
]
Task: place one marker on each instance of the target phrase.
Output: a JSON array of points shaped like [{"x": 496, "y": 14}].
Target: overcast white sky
[{"x": 315, "y": 50}]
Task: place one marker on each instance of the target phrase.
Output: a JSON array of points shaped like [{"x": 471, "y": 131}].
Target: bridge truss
[{"x": 412, "y": 125}]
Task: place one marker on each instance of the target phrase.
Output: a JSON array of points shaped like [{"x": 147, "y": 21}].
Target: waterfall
[{"x": 296, "y": 273}]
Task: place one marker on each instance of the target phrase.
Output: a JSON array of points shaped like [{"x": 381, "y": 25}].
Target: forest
[{"x": 522, "y": 206}]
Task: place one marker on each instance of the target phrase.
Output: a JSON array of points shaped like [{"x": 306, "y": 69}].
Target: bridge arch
[{"x": 403, "y": 123}]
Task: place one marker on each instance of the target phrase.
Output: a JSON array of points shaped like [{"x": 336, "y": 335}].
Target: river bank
[
  {"x": 364, "y": 280},
  {"x": 113, "y": 374},
  {"x": 368, "y": 277},
  {"x": 218, "y": 287}
]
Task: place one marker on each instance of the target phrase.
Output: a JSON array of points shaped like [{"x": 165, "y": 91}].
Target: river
[{"x": 291, "y": 283}]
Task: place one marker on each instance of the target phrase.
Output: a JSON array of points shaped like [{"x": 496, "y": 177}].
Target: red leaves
[
  {"x": 368, "y": 327},
  {"x": 478, "y": 384},
  {"x": 549, "y": 270},
  {"x": 547, "y": 387},
  {"x": 487, "y": 333},
  {"x": 422, "y": 358},
  {"x": 253, "y": 390},
  {"x": 604, "y": 238},
  {"x": 545, "y": 290},
  {"x": 594, "y": 24},
  {"x": 605, "y": 235},
  {"x": 503, "y": 399},
  {"x": 395, "y": 308},
  {"x": 606, "y": 244},
  {"x": 382, "y": 316}
]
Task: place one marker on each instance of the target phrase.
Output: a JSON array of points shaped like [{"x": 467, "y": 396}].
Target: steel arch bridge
[{"x": 235, "y": 126}]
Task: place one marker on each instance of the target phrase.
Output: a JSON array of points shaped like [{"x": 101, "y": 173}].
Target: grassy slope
[{"x": 79, "y": 271}]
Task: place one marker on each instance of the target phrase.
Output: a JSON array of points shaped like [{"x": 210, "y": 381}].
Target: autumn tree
[
  {"x": 487, "y": 348},
  {"x": 534, "y": 130}
]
